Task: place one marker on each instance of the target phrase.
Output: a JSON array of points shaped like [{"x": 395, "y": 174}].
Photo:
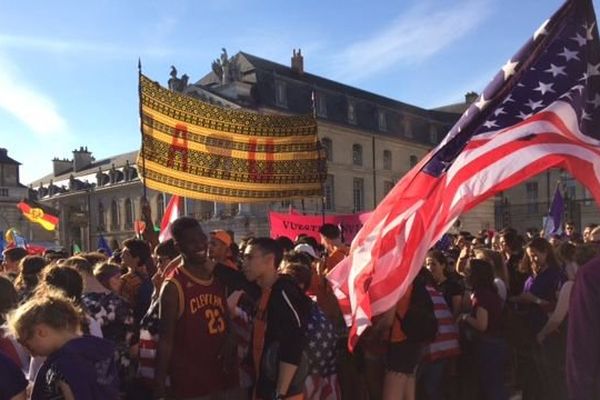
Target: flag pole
[
  {"x": 145, "y": 190},
  {"x": 148, "y": 233}
]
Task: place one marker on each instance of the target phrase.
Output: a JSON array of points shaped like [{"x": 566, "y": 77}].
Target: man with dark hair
[
  {"x": 512, "y": 251},
  {"x": 336, "y": 250},
  {"x": 279, "y": 322},
  {"x": 195, "y": 347},
  {"x": 137, "y": 286},
  {"x": 12, "y": 257}
]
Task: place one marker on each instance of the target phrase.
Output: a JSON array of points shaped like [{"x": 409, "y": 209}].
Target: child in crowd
[{"x": 77, "y": 366}]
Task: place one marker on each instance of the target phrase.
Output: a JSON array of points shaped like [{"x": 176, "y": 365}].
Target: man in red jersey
[{"x": 195, "y": 346}]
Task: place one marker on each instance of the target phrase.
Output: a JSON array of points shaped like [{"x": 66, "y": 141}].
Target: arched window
[
  {"x": 160, "y": 208},
  {"x": 101, "y": 216},
  {"x": 328, "y": 147},
  {"x": 413, "y": 160},
  {"x": 128, "y": 213},
  {"x": 387, "y": 159},
  {"x": 357, "y": 156},
  {"x": 114, "y": 215}
]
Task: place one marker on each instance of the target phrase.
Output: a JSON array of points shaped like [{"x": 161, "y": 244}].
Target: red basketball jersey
[{"x": 201, "y": 330}]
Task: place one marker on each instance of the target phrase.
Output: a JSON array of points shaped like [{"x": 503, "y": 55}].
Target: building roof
[
  {"x": 5, "y": 159},
  {"x": 262, "y": 76},
  {"x": 104, "y": 164},
  {"x": 323, "y": 83}
]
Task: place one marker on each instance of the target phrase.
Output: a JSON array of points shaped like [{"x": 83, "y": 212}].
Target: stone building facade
[
  {"x": 371, "y": 142},
  {"x": 11, "y": 192}
]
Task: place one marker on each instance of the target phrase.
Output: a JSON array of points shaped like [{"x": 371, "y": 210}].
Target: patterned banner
[{"x": 197, "y": 150}]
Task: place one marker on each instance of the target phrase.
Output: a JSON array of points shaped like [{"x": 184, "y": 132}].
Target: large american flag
[{"x": 540, "y": 111}]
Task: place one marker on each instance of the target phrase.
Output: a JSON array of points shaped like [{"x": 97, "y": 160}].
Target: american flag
[{"x": 540, "y": 111}]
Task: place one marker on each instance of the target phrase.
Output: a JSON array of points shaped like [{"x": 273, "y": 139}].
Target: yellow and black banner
[{"x": 197, "y": 150}]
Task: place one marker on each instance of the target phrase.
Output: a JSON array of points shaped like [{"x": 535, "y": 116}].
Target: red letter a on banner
[{"x": 179, "y": 144}]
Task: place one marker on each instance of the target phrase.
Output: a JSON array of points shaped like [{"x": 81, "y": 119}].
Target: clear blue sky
[{"x": 68, "y": 69}]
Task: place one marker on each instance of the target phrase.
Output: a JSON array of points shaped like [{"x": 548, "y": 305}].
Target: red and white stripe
[
  {"x": 445, "y": 344},
  {"x": 317, "y": 387},
  {"x": 389, "y": 250},
  {"x": 171, "y": 214}
]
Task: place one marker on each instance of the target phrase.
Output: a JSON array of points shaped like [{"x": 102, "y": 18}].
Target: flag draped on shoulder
[
  {"x": 38, "y": 214},
  {"x": 540, "y": 111},
  {"x": 200, "y": 151}
]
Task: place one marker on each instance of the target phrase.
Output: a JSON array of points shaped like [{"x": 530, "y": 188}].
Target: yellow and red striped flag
[{"x": 197, "y": 150}]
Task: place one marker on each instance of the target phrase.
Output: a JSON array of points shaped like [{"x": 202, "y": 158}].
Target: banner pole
[{"x": 145, "y": 191}]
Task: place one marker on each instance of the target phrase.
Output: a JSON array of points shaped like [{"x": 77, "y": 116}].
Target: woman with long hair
[
  {"x": 491, "y": 350},
  {"x": 452, "y": 290},
  {"x": 538, "y": 298}
]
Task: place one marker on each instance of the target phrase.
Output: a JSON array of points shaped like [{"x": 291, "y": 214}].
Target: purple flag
[{"x": 555, "y": 214}]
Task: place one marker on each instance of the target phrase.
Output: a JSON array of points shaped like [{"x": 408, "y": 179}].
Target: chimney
[
  {"x": 297, "y": 62},
  {"x": 82, "y": 159},
  {"x": 3, "y": 152},
  {"x": 59, "y": 166},
  {"x": 471, "y": 97}
]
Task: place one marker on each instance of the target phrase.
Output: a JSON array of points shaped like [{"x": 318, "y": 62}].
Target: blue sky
[{"x": 68, "y": 69}]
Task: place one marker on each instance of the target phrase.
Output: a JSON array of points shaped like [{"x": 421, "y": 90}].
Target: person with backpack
[
  {"x": 279, "y": 330},
  {"x": 486, "y": 319},
  {"x": 322, "y": 382},
  {"x": 413, "y": 324}
]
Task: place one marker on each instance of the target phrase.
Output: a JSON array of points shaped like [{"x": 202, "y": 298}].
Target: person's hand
[
  {"x": 233, "y": 300},
  {"x": 540, "y": 337},
  {"x": 463, "y": 317},
  {"x": 528, "y": 297}
]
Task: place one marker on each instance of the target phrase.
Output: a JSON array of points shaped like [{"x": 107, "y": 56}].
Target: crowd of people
[{"x": 203, "y": 317}]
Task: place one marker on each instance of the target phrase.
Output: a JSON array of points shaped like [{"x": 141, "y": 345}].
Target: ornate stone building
[
  {"x": 11, "y": 192},
  {"x": 371, "y": 142}
]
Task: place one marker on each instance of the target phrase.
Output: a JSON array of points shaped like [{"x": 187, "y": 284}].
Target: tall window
[
  {"x": 382, "y": 120},
  {"x": 351, "y": 112},
  {"x": 532, "y": 196},
  {"x": 280, "y": 94},
  {"x": 328, "y": 147},
  {"x": 433, "y": 134},
  {"x": 328, "y": 193},
  {"x": 321, "y": 105},
  {"x": 101, "y": 216},
  {"x": 128, "y": 213},
  {"x": 114, "y": 215},
  {"x": 358, "y": 192},
  {"x": 160, "y": 208},
  {"x": 413, "y": 160},
  {"x": 357, "y": 157},
  {"x": 387, "y": 160}
]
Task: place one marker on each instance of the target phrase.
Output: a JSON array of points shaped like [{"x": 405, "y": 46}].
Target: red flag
[
  {"x": 171, "y": 214},
  {"x": 542, "y": 110}
]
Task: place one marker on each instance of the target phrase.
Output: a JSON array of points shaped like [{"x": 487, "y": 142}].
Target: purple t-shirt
[
  {"x": 492, "y": 303},
  {"x": 544, "y": 285},
  {"x": 86, "y": 364},
  {"x": 12, "y": 380}
]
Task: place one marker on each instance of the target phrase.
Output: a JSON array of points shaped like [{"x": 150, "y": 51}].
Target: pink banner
[{"x": 292, "y": 225}]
